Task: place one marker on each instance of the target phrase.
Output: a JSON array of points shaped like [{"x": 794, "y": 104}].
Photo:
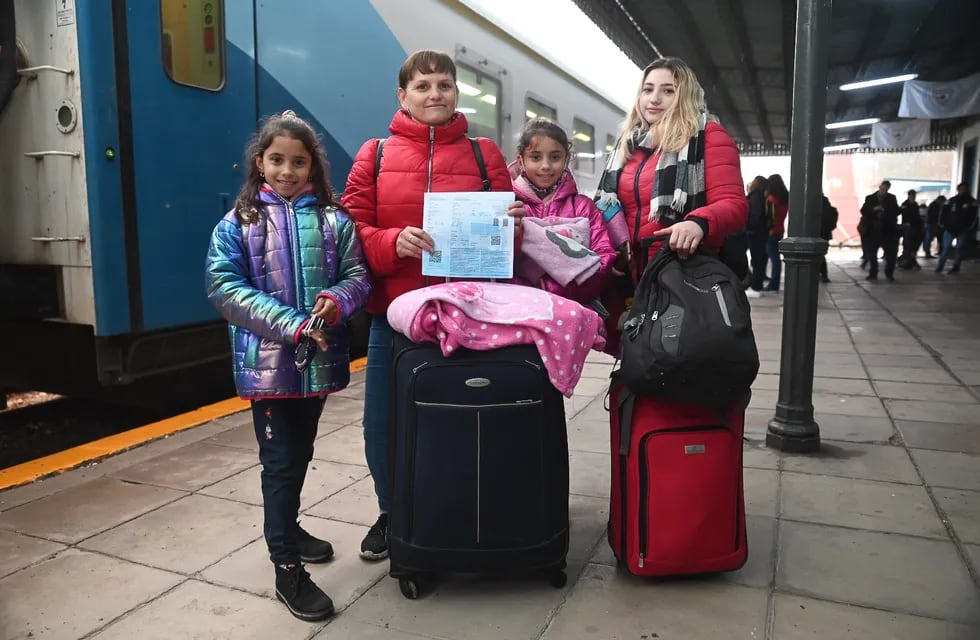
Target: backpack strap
[
  {"x": 479, "y": 162},
  {"x": 377, "y": 157},
  {"x": 646, "y": 243}
]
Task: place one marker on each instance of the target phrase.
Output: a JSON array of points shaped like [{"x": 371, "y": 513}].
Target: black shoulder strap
[
  {"x": 480, "y": 163},
  {"x": 377, "y": 157}
]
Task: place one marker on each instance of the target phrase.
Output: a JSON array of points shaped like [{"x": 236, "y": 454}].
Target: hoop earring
[{"x": 261, "y": 174}]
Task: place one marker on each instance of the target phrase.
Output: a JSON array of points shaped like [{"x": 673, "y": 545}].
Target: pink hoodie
[{"x": 567, "y": 202}]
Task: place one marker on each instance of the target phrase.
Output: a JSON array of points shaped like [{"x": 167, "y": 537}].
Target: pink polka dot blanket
[{"x": 489, "y": 315}]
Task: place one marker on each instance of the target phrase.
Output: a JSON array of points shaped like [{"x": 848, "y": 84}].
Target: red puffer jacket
[
  {"x": 417, "y": 158},
  {"x": 726, "y": 210}
]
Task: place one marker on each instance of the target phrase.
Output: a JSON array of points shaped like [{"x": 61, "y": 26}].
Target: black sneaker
[
  {"x": 312, "y": 549},
  {"x": 375, "y": 544},
  {"x": 954, "y": 270},
  {"x": 301, "y": 596}
]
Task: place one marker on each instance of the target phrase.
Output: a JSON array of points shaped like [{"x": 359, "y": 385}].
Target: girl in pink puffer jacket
[{"x": 565, "y": 247}]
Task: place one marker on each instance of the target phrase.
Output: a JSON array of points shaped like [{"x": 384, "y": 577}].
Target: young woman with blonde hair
[{"x": 674, "y": 171}]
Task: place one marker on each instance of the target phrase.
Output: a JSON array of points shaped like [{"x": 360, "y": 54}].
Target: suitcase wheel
[
  {"x": 409, "y": 587},
  {"x": 558, "y": 579}
]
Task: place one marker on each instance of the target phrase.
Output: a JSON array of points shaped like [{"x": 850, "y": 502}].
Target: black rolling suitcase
[{"x": 479, "y": 459}]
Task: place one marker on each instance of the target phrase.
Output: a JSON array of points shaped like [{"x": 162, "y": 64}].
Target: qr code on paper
[
  {"x": 435, "y": 257},
  {"x": 494, "y": 241}
]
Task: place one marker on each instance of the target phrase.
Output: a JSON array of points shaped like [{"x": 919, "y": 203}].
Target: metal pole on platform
[{"x": 793, "y": 427}]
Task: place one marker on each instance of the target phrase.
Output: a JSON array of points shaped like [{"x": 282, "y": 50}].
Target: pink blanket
[
  {"x": 489, "y": 315},
  {"x": 559, "y": 248}
]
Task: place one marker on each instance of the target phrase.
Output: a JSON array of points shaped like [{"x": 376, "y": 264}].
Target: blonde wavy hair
[{"x": 681, "y": 121}]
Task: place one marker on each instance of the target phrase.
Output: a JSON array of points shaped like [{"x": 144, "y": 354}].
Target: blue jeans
[
  {"x": 285, "y": 429},
  {"x": 377, "y": 401},
  {"x": 930, "y": 233},
  {"x": 948, "y": 238},
  {"x": 772, "y": 248}
]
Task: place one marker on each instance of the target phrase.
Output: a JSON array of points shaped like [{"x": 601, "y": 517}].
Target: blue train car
[{"x": 123, "y": 124}]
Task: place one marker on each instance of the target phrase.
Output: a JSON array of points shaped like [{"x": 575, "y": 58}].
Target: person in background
[
  {"x": 758, "y": 232},
  {"x": 932, "y": 231},
  {"x": 879, "y": 215},
  {"x": 828, "y": 222},
  {"x": 912, "y": 231},
  {"x": 777, "y": 208},
  {"x": 959, "y": 220}
]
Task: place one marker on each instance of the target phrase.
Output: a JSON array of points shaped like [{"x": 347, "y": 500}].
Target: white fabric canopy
[
  {"x": 951, "y": 99},
  {"x": 900, "y": 135}
]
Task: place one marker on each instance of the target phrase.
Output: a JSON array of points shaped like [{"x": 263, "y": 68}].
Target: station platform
[{"x": 875, "y": 537}]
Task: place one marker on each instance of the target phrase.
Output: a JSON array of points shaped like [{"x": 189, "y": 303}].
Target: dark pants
[
  {"x": 888, "y": 243},
  {"x": 911, "y": 241},
  {"x": 772, "y": 249},
  {"x": 285, "y": 429},
  {"x": 932, "y": 233},
  {"x": 758, "y": 254}
]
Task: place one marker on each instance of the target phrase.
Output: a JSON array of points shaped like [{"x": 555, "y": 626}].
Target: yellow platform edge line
[{"x": 97, "y": 449}]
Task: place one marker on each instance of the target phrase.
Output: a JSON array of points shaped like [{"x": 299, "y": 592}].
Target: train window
[
  {"x": 479, "y": 99},
  {"x": 537, "y": 109},
  {"x": 193, "y": 42},
  {"x": 583, "y": 137},
  {"x": 610, "y": 144}
]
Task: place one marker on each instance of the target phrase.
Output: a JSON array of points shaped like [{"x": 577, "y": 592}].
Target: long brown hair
[
  {"x": 681, "y": 121},
  {"x": 287, "y": 124}
]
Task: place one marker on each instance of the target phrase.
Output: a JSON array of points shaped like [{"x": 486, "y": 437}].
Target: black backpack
[{"x": 688, "y": 336}]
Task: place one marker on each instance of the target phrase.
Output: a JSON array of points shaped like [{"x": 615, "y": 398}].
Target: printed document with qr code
[{"x": 472, "y": 233}]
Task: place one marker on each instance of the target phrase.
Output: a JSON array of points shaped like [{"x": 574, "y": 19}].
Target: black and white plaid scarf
[{"x": 678, "y": 186}]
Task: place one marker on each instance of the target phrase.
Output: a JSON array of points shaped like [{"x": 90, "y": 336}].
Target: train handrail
[
  {"x": 58, "y": 239},
  {"x": 42, "y": 154},
  {"x": 32, "y": 71}
]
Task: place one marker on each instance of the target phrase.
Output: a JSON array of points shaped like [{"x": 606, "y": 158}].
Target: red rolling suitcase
[{"x": 676, "y": 505}]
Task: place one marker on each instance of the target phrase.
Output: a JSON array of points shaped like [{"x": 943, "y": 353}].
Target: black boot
[
  {"x": 301, "y": 596},
  {"x": 312, "y": 550}
]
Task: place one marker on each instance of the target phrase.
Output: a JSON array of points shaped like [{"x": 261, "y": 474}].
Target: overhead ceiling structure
[{"x": 742, "y": 52}]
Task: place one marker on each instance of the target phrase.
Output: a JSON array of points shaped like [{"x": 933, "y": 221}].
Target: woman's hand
[
  {"x": 685, "y": 237},
  {"x": 412, "y": 241},
  {"x": 517, "y": 211},
  {"x": 325, "y": 308}
]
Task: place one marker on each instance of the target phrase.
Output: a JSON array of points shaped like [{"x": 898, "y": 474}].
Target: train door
[{"x": 191, "y": 80}]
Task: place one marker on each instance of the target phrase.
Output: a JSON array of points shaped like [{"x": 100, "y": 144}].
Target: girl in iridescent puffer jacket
[{"x": 285, "y": 268}]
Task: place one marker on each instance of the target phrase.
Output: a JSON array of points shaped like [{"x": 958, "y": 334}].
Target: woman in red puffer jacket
[
  {"x": 674, "y": 173},
  {"x": 428, "y": 151}
]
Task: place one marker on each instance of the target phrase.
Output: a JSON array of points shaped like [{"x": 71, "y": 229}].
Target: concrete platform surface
[{"x": 877, "y": 536}]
